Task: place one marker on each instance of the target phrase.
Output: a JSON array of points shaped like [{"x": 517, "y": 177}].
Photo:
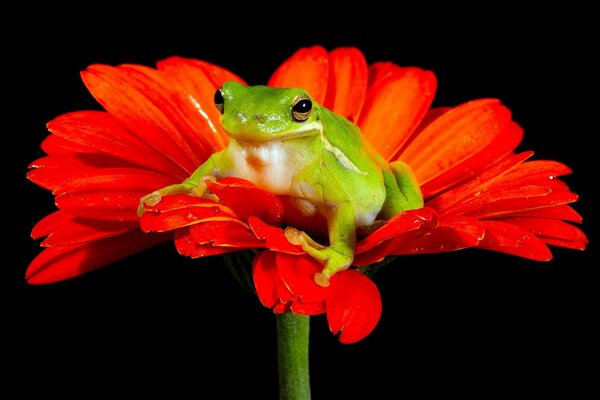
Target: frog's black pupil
[
  {"x": 303, "y": 106},
  {"x": 219, "y": 100}
]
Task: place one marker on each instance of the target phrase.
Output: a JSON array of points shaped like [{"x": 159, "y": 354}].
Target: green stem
[{"x": 292, "y": 355}]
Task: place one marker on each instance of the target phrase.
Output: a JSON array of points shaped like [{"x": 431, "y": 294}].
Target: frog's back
[{"x": 362, "y": 178}]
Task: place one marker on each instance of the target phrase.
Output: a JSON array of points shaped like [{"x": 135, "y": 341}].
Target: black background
[{"x": 467, "y": 323}]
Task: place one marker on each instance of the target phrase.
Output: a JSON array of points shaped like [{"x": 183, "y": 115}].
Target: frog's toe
[{"x": 149, "y": 200}]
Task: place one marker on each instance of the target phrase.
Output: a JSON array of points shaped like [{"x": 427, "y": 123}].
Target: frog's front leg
[
  {"x": 339, "y": 254},
  {"x": 195, "y": 185}
]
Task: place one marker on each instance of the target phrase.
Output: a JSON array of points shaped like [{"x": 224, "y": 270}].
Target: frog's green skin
[{"x": 317, "y": 157}]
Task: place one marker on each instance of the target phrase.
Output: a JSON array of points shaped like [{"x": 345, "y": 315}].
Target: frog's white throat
[{"x": 271, "y": 165}]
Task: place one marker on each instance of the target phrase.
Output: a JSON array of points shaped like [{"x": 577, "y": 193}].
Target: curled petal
[
  {"x": 451, "y": 233},
  {"x": 266, "y": 278},
  {"x": 307, "y": 69},
  {"x": 299, "y": 307},
  {"x": 274, "y": 237},
  {"x": 247, "y": 200},
  {"x": 173, "y": 213},
  {"x": 297, "y": 272},
  {"x": 187, "y": 246},
  {"x": 394, "y": 107},
  {"x": 353, "y": 306},
  {"x": 507, "y": 238},
  {"x": 405, "y": 222},
  {"x": 230, "y": 233}
]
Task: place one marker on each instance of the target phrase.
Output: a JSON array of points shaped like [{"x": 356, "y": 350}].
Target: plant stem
[{"x": 292, "y": 355}]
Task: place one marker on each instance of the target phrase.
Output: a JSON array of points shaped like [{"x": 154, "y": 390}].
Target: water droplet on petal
[{"x": 191, "y": 217}]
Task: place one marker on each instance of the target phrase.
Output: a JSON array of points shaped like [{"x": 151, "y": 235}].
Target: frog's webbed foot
[
  {"x": 186, "y": 187},
  {"x": 333, "y": 260}
]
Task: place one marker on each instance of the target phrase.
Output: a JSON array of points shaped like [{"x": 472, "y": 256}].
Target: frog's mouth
[{"x": 305, "y": 130}]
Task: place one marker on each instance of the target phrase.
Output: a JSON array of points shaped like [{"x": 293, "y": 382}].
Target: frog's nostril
[{"x": 261, "y": 117}]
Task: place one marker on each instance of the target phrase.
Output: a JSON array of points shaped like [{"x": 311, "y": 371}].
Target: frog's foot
[
  {"x": 333, "y": 260},
  {"x": 186, "y": 188}
]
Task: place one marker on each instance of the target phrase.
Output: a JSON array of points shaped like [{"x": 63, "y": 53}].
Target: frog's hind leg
[{"x": 402, "y": 190}]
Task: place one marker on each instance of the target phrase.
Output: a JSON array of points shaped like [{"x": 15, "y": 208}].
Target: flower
[{"x": 160, "y": 124}]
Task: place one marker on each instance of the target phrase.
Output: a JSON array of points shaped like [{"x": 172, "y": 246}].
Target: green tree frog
[{"x": 286, "y": 143}]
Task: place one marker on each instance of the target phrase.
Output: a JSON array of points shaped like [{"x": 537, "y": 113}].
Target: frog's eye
[
  {"x": 301, "y": 107},
  {"x": 219, "y": 101}
]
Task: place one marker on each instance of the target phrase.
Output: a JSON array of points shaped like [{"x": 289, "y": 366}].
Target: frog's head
[{"x": 260, "y": 113}]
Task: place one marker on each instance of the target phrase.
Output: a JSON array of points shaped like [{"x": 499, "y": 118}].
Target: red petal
[
  {"x": 501, "y": 146},
  {"x": 281, "y": 308},
  {"x": 563, "y": 212},
  {"x": 473, "y": 188},
  {"x": 568, "y": 244},
  {"x": 381, "y": 70},
  {"x": 298, "y": 272},
  {"x": 266, "y": 277},
  {"x": 233, "y": 233},
  {"x": 109, "y": 206},
  {"x": 537, "y": 169},
  {"x": 175, "y": 215},
  {"x": 197, "y": 80},
  {"x": 348, "y": 78},
  {"x": 187, "y": 246},
  {"x": 274, "y": 237},
  {"x": 394, "y": 107},
  {"x": 198, "y": 140},
  {"x": 373, "y": 255},
  {"x": 452, "y": 233},
  {"x": 49, "y": 172},
  {"x": 55, "y": 145},
  {"x": 217, "y": 75},
  {"x": 285, "y": 296},
  {"x": 101, "y": 132},
  {"x": 64, "y": 262},
  {"x": 353, "y": 306},
  {"x": 63, "y": 229},
  {"x": 141, "y": 109},
  {"x": 455, "y": 136},
  {"x": 405, "y": 222},
  {"x": 549, "y": 228},
  {"x": 307, "y": 308},
  {"x": 507, "y": 238},
  {"x": 307, "y": 69},
  {"x": 512, "y": 201},
  {"x": 114, "y": 179},
  {"x": 248, "y": 200}
]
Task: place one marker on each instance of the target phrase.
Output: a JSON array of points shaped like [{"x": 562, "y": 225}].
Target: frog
[{"x": 284, "y": 142}]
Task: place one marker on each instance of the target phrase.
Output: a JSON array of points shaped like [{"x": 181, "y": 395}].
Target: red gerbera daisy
[{"x": 160, "y": 124}]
